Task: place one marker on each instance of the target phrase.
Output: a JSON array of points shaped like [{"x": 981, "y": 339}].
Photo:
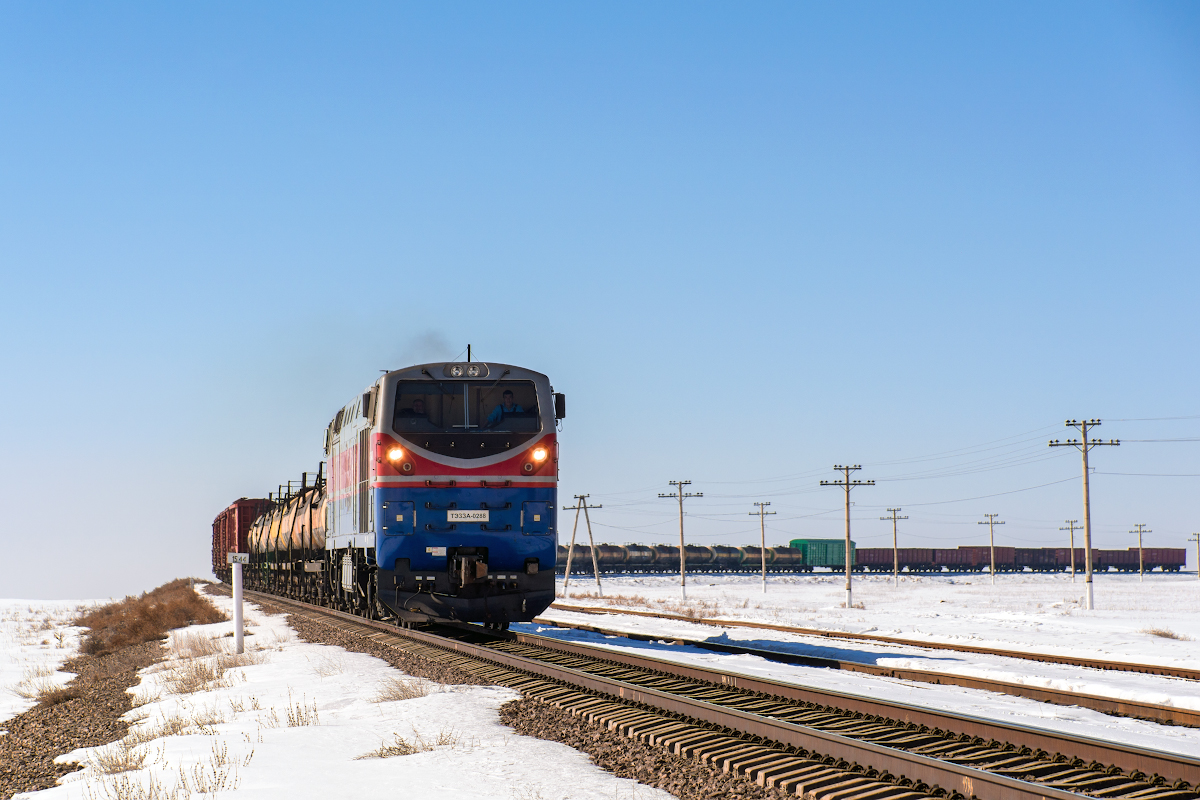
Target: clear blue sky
[{"x": 749, "y": 241}]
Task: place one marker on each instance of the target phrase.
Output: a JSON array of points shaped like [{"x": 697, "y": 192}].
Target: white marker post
[{"x": 237, "y": 559}]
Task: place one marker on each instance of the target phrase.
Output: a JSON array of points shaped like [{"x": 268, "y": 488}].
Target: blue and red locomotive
[{"x": 439, "y": 502}]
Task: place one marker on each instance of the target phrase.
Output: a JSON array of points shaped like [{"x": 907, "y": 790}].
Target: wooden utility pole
[
  {"x": 1084, "y": 444},
  {"x": 1072, "y": 523},
  {"x": 848, "y": 485},
  {"x": 1141, "y": 528},
  {"x": 582, "y": 505},
  {"x": 992, "y": 523},
  {"x": 895, "y": 544},
  {"x": 681, "y": 496},
  {"x": 1196, "y": 539},
  {"x": 762, "y": 515}
]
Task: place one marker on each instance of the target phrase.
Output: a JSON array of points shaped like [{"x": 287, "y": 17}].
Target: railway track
[
  {"x": 1152, "y": 712},
  {"x": 1093, "y": 663},
  {"x": 811, "y": 742}
]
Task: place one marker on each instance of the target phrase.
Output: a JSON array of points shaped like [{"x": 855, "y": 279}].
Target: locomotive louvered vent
[{"x": 364, "y": 508}]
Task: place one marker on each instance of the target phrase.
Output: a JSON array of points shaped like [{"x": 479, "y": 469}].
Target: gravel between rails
[
  {"x": 90, "y": 718},
  {"x": 686, "y": 778}
]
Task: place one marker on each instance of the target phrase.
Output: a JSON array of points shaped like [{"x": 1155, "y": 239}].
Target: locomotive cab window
[{"x": 466, "y": 419}]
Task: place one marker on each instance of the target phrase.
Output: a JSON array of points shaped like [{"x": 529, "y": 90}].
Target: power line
[
  {"x": 1196, "y": 538},
  {"x": 681, "y": 496},
  {"x": 1072, "y": 523},
  {"x": 847, "y": 484},
  {"x": 762, "y": 528},
  {"x": 1141, "y": 528},
  {"x": 992, "y": 523},
  {"x": 895, "y": 544},
  {"x": 1083, "y": 444},
  {"x": 581, "y": 504}
]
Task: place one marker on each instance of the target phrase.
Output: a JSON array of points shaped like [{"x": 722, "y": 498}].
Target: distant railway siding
[{"x": 805, "y": 555}]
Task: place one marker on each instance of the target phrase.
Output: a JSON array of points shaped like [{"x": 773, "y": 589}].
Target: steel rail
[
  {"x": 954, "y": 777},
  {"x": 1093, "y": 663},
  {"x": 1152, "y": 712},
  {"x": 1127, "y": 757}
]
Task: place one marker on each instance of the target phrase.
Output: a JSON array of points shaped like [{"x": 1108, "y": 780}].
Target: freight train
[
  {"x": 440, "y": 502},
  {"x": 805, "y": 555}
]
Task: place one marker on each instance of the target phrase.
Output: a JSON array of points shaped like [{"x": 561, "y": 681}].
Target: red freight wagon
[
  {"x": 875, "y": 558},
  {"x": 1062, "y": 558},
  {"x": 1038, "y": 559},
  {"x": 230, "y": 529},
  {"x": 1171, "y": 559},
  {"x": 916, "y": 558},
  {"x": 1121, "y": 560},
  {"x": 950, "y": 559},
  {"x": 979, "y": 558},
  {"x": 883, "y": 559}
]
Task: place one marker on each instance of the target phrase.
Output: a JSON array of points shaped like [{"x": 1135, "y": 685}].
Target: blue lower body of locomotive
[{"x": 500, "y": 570}]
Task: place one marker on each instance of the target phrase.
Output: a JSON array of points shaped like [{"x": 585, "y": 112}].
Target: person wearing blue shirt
[{"x": 506, "y": 407}]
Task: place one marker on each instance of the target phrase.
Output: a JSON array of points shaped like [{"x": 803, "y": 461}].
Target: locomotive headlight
[
  {"x": 473, "y": 370},
  {"x": 539, "y": 455},
  {"x": 456, "y": 371},
  {"x": 395, "y": 454}
]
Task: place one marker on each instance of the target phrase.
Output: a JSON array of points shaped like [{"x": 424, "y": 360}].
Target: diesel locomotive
[{"x": 439, "y": 502}]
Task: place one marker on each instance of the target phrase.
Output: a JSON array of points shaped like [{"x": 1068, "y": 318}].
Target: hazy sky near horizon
[{"x": 747, "y": 241}]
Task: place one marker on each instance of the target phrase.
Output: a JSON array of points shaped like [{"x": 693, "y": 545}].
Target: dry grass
[
  {"x": 196, "y": 645},
  {"x": 330, "y": 665},
  {"x": 188, "y": 677},
  {"x": 300, "y": 714},
  {"x": 218, "y": 774},
  {"x": 447, "y": 737},
  {"x": 117, "y": 757},
  {"x": 401, "y": 689},
  {"x": 200, "y": 721},
  {"x": 125, "y": 787},
  {"x": 146, "y": 618},
  {"x": 695, "y": 609},
  {"x": 1166, "y": 633},
  {"x": 246, "y": 659},
  {"x": 59, "y": 694}
]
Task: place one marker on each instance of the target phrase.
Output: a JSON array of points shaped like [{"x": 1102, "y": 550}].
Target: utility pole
[
  {"x": 1196, "y": 539},
  {"x": 992, "y": 523},
  {"x": 681, "y": 496},
  {"x": 582, "y": 505},
  {"x": 895, "y": 544},
  {"x": 848, "y": 485},
  {"x": 762, "y": 515},
  {"x": 1072, "y": 523},
  {"x": 1084, "y": 444},
  {"x": 1141, "y": 528}
]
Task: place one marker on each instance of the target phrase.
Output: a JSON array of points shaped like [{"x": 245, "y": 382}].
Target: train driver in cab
[
  {"x": 507, "y": 406},
  {"x": 417, "y": 410}
]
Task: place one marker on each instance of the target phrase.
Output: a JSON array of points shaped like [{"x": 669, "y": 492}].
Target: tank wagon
[
  {"x": 660, "y": 559},
  {"x": 439, "y": 503}
]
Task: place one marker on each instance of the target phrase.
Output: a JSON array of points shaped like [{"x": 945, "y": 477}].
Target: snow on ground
[
  {"x": 1025, "y": 612},
  {"x": 35, "y": 640},
  {"x": 294, "y": 720}
]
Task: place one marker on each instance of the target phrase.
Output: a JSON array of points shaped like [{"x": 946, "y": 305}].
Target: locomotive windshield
[{"x": 466, "y": 419}]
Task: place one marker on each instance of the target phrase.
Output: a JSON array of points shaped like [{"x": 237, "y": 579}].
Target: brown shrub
[
  {"x": 60, "y": 695},
  {"x": 142, "y": 619}
]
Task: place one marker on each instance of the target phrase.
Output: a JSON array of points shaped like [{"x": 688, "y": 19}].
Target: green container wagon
[{"x": 824, "y": 552}]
